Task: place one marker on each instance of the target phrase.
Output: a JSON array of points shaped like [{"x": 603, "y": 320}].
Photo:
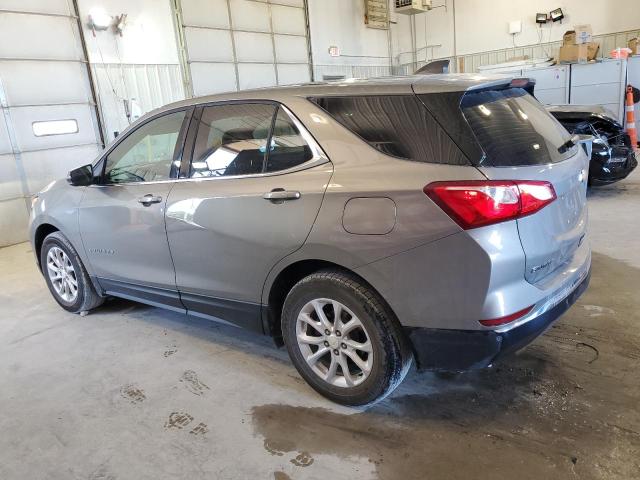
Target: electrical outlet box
[{"x": 515, "y": 27}]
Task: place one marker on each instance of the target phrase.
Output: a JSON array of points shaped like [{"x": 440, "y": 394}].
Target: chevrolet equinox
[{"x": 362, "y": 224}]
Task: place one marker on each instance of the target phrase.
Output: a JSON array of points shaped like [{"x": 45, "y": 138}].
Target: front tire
[
  {"x": 66, "y": 276},
  {"x": 343, "y": 339}
]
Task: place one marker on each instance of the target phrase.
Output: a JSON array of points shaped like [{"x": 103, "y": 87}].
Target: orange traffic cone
[{"x": 631, "y": 121}]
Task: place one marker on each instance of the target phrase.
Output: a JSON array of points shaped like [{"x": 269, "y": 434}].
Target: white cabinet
[
  {"x": 602, "y": 83},
  {"x": 552, "y": 84}
]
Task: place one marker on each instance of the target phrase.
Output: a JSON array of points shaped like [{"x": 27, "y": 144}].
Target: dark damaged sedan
[{"x": 612, "y": 157}]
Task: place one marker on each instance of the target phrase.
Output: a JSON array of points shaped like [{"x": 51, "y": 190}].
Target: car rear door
[{"x": 249, "y": 198}]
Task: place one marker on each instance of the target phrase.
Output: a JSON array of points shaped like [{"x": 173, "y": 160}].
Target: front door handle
[
  {"x": 148, "y": 199},
  {"x": 280, "y": 195}
]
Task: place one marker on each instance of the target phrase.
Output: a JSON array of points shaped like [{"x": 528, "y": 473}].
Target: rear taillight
[{"x": 477, "y": 203}]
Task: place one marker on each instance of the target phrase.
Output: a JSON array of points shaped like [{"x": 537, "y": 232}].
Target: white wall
[
  {"x": 483, "y": 25},
  {"x": 148, "y": 38},
  {"x": 341, "y": 23},
  {"x": 141, "y": 66}
]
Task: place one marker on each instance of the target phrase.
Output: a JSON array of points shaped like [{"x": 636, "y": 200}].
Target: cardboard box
[
  {"x": 580, "y": 35},
  {"x": 569, "y": 38},
  {"x": 584, "y": 34},
  {"x": 634, "y": 45},
  {"x": 578, "y": 53}
]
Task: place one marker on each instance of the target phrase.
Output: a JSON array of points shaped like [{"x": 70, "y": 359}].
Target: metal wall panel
[
  {"x": 23, "y": 118},
  {"x": 14, "y": 218},
  {"x": 42, "y": 166},
  {"x": 290, "y": 49},
  {"x": 206, "y": 13},
  {"x": 201, "y": 42},
  {"x": 10, "y": 186},
  {"x": 41, "y": 83},
  {"x": 43, "y": 76},
  {"x": 38, "y": 37},
  {"x": 239, "y": 44},
  {"x": 151, "y": 86},
  {"x": 256, "y": 75},
  {"x": 55, "y": 7},
  {"x": 293, "y": 74},
  {"x": 289, "y": 20},
  {"x": 250, "y": 15},
  {"x": 210, "y": 78},
  {"x": 254, "y": 47}
]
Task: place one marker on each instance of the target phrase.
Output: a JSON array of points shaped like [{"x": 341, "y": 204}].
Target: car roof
[{"x": 419, "y": 84}]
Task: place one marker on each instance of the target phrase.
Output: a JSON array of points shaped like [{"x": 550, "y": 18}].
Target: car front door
[
  {"x": 122, "y": 215},
  {"x": 250, "y": 198}
]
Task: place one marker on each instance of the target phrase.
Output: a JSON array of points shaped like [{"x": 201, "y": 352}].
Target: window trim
[{"x": 178, "y": 153}]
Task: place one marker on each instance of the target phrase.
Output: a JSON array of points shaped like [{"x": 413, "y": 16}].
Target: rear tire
[
  {"x": 364, "y": 338},
  {"x": 66, "y": 277}
]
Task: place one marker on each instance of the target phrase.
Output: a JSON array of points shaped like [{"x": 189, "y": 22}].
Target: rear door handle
[
  {"x": 280, "y": 195},
  {"x": 148, "y": 199}
]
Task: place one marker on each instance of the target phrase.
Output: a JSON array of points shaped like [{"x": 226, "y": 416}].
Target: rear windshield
[
  {"x": 397, "y": 125},
  {"x": 514, "y": 129}
]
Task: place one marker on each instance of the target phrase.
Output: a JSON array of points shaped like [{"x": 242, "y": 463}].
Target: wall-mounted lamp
[
  {"x": 556, "y": 15},
  {"x": 541, "y": 18},
  {"x": 99, "y": 19}
]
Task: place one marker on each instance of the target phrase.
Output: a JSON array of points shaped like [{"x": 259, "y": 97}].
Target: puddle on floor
[{"x": 566, "y": 407}]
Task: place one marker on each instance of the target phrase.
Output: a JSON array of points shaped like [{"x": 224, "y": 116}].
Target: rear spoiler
[{"x": 527, "y": 84}]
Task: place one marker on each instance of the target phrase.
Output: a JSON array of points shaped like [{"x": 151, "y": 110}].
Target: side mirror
[{"x": 81, "y": 176}]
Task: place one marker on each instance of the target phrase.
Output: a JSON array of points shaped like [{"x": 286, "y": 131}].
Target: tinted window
[
  {"x": 232, "y": 140},
  {"x": 288, "y": 147},
  {"x": 147, "y": 153},
  {"x": 399, "y": 126},
  {"x": 514, "y": 129}
]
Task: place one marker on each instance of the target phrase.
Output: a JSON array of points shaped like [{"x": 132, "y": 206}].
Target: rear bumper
[{"x": 461, "y": 350}]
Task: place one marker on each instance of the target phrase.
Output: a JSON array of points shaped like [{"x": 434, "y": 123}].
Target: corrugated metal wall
[
  {"x": 239, "y": 44},
  {"x": 43, "y": 77}
]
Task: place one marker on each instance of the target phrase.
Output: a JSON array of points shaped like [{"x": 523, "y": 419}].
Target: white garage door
[
  {"x": 239, "y": 44},
  {"x": 48, "y": 123}
]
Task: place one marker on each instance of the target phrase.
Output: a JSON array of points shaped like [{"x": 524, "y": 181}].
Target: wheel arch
[
  {"x": 41, "y": 232},
  {"x": 284, "y": 281}
]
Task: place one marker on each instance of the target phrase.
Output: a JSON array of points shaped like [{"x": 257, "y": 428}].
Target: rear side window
[
  {"x": 246, "y": 139},
  {"x": 514, "y": 129},
  {"x": 288, "y": 147},
  {"x": 232, "y": 140},
  {"x": 397, "y": 125}
]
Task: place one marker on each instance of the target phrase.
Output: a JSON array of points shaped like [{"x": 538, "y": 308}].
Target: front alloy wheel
[{"x": 62, "y": 275}]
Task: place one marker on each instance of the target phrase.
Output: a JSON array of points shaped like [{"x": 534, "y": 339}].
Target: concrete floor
[{"x": 134, "y": 392}]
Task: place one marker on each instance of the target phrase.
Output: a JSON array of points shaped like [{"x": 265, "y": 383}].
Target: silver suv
[{"x": 362, "y": 224}]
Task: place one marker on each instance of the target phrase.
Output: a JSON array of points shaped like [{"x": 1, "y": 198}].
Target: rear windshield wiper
[{"x": 572, "y": 142}]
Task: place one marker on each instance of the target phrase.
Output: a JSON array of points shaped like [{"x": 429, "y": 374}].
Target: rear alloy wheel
[
  {"x": 66, "y": 276},
  {"x": 343, "y": 339},
  {"x": 334, "y": 342}
]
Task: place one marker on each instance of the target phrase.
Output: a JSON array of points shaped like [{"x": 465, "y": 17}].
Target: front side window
[{"x": 147, "y": 154}]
